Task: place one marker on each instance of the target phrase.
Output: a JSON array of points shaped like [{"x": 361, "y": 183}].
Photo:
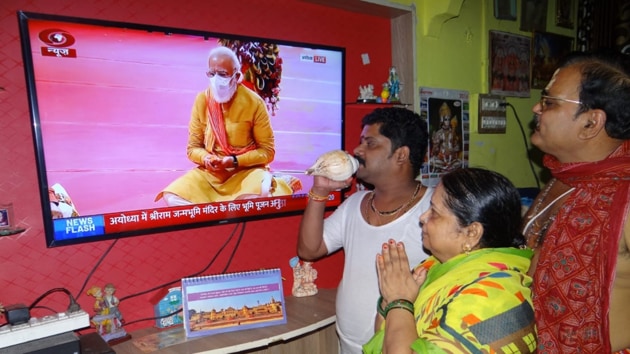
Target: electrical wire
[
  {"x": 238, "y": 241},
  {"x": 72, "y": 299},
  {"x": 153, "y": 318},
  {"x": 52, "y": 310},
  {"x": 520, "y": 125},
  {"x": 74, "y": 306},
  {"x": 95, "y": 267},
  {"x": 111, "y": 246},
  {"x": 201, "y": 271}
]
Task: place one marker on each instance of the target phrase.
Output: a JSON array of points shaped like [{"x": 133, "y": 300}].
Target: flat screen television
[{"x": 110, "y": 104}]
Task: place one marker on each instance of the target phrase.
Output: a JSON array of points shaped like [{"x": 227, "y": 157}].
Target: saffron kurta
[{"x": 248, "y": 128}]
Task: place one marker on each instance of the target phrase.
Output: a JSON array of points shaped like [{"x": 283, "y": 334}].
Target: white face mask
[{"x": 223, "y": 88}]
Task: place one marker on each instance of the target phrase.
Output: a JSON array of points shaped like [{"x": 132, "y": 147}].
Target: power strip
[{"x": 46, "y": 326}]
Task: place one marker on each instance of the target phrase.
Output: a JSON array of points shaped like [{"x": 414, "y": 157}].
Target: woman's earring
[{"x": 466, "y": 247}]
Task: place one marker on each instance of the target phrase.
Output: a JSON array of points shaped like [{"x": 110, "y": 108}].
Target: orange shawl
[{"x": 217, "y": 124}]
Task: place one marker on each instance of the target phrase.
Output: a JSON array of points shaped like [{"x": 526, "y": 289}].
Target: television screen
[{"x": 111, "y": 107}]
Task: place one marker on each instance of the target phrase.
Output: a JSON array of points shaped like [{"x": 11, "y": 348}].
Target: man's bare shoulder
[
  {"x": 622, "y": 277},
  {"x": 619, "y": 314},
  {"x": 624, "y": 251},
  {"x": 623, "y": 258}
]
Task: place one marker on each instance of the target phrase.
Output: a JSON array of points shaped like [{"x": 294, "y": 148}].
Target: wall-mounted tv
[{"x": 110, "y": 106}]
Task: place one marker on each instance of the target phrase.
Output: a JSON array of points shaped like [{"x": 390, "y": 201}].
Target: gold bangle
[{"x": 316, "y": 197}]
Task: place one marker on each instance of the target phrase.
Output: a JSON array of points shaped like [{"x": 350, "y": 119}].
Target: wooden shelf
[
  {"x": 11, "y": 231},
  {"x": 310, "y": 328},
  {"x": 402, "y": 18}
]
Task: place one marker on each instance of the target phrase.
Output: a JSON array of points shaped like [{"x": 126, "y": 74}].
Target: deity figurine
[
  {"x": 304, "y": 276},
  {"x": 385, "y": 93},
  {"x": 107, "y": 318},
  {"x": 445, "y": 151},
  {"x": 366, "y": 94},
  {"x": 112, "y": 301},
  {"x": 394, "y": 85}
]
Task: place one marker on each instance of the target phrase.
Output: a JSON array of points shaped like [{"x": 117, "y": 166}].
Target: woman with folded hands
[{"x": 472, "y": 294}]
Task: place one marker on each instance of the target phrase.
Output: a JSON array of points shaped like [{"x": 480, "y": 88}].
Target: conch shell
[{"x": 337, "y": 165}]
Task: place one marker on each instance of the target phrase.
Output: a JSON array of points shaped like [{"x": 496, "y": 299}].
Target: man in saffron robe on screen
[{"x": 231, "y": 140}]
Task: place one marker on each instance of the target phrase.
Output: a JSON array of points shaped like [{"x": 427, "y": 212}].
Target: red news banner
[{"x": 171, "y": 216}]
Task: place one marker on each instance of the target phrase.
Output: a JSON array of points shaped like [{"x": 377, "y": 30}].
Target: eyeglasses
[
  {"x": 223, "y": 74},
  {"x": 544, "y": 101}
]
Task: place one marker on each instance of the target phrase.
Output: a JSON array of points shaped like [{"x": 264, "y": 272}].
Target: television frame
[{"x": 103, "y": 222}]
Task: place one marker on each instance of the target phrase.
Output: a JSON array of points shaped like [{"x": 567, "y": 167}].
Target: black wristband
[{"x": 235, "y": 161}]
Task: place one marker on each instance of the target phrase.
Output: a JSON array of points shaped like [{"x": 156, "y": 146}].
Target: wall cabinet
[{"x": 403, "y": 31}]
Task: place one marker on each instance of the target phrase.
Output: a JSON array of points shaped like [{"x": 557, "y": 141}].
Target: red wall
[{"x": 136, "y": 264}]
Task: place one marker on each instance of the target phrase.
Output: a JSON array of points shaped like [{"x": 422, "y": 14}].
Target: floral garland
[{"x": 262, "y": 66}]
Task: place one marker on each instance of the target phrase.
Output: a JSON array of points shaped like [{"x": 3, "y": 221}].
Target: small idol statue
[
  {"x": 304, "y": 276},
  {"x": 394, "y": 85},
  {"x": 384, "y": 93},
  {"x": 366, "y": 94},
  {"x": 107, "y": 318}
]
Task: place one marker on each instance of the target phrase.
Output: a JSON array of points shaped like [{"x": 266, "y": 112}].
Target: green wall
[{"x": 452, "y": 52}]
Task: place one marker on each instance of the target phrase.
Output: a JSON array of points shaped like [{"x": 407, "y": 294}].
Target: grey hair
[{"x": 225, "y": 51}]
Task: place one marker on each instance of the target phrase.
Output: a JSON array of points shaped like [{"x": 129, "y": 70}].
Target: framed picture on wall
[
  {"x": 548, "y": 49},
  {"x": 564, "y": 13},
  {"x": 447, "y": 113},
  {"x": 509, "y": 67},
  {"x": 533, "y": 15},
  {"x": 6, "y": 216},
  {"x": 505, "y": 10}
]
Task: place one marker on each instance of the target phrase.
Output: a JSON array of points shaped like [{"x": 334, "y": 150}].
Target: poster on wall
[
  {"x": 533, "y": 15},
  {"x": 509, "y": 64},
  {"x": 548, "y": 49},
  {"x": 446, "y": 112},
  {"x": 565, "y": 13}
]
